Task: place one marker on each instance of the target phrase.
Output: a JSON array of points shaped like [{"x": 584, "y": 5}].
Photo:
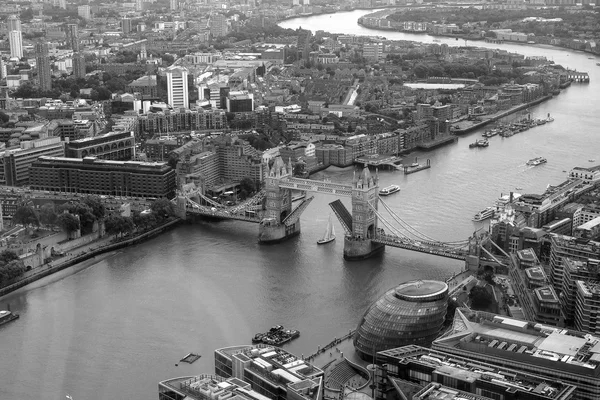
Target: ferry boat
[
  {"x": 7, "y": 316},
  {"x": 537, "y": 161},
  {"x": 479, "y": 143},
  {"x": 329, "y": 233},
  {"x": 484, "y": 214},
  {"x": 386, "y": 191},
  {"x": 276, "y": 336}
]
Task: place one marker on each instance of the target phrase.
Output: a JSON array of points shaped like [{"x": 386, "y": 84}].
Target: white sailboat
[{"x": 329, "y": 233}]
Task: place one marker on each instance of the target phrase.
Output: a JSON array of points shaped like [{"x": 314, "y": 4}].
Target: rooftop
[
  {"x": 546, "y": 294},
  {"x": 535, "y": 343},
  {"x": 420, "y": 289}
]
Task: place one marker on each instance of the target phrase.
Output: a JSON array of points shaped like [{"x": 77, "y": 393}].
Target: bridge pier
[
  {"x": 360, "y": 249},
  {"x": 271, "y": 233}
]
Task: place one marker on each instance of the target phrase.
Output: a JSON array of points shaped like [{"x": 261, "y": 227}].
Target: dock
[
  {"x": 190, "y": 358},
  {"x": 379, "y": 161},
  {"x": 440, "y": 141},
  {"x": 408, "y": 169}
]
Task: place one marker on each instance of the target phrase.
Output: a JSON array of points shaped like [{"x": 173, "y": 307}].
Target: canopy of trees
[
  {"x": 480, "y": 298},
  {"x": 10, "y": 266}
]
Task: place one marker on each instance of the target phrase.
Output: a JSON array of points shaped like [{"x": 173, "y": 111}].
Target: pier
[
  {"x": 379, "y": 161},
  {"x": 408, "y": 169}
]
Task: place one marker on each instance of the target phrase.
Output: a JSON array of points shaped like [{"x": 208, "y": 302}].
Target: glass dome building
[{"x": 412, "y": 313}]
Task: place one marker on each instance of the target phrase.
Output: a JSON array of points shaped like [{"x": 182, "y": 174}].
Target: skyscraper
[
  {"x": 218, "y": 25},
  {"x": 84, "y": 12},
  {"x": 177, "y": 85},
  {"x": 174, "y": 5},
  {"x": 14, "y": 23},
  {"x": 126, "y": 25},
  {"x": 15, "y": 37},
  {"x": 78, "y": 65},
  {"x": 139, "y": 5},
  {"x": 16, "y": 44},
  {"x": 43, "y": 65},
  {"x": 73, "y": 37}
]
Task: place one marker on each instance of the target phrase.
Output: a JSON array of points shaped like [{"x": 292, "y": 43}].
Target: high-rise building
[
  {"x": 84, "y": 12},
  {"x": 15, "y": 163},
  {"x": 218, "y": 25},
  {"x": 139, "y": 5},
  {"x": 15, "y": 40},
  {"x": 177, "y": 85},
  {"x": 78, "y": 65},
  {"x": 174, "y": 5},
  {"x": 43, "y": 65},
  {"x": 126, "y": 25},
  {"x": 13, "y": 23},
  {"x": 61, "y": 4},
  {"x": 303, "y": 43},
  {"x": 2, "y": 69},
  {"x": 73, "y": 37}
]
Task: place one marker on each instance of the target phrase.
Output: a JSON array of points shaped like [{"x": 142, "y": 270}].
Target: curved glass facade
[{"x": 412, "y": 313}]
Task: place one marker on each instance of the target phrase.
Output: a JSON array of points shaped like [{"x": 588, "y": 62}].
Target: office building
[
  {"x": 271, "y": 371},
  {"x": 537, "y": 298},
  {"x": 574, "y": 271},
  {"x": 442, "y": 372},
  {"x": 146, "y": 85},
  {"x": 84, "y": 12},
  {"x": 177, "y": 86},
  {"x": 159, "y": 148},
  {"x": 587, "y": 306},
  {"x": 182, "y": 120},
  {"x": 110, "y": 146},
  {"x": 174, "y": 5},
  {"x": 139, "y": 5},
  {"x": 15, "y": 40},
  {"x": 91, "y": 175},
  {"x": 412, "y": 313},
  {"x": 569, "y": 247},
  {"x": 303, "y": 43},
  {"x": 557, "y": 354},
  {"x": 218, "y": 25},
  {"x": 126, "y": 25},
  {"x": 3, "y": 71},
  {"x": 373, "y": 51},
  {"x": 238, "y": 102},
  {"x": 73, "y": 37},
  {"x": 43, "y": 66},
  {"x": 78, "y": 65},
  {"x": 15, "y": 163}
]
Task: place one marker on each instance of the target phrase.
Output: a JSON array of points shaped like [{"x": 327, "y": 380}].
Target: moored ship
[
  {"x": 7, "y": 316},
  {"x": 537, "y": 161},
  {"x": 488, "y": 212},
  {"x": 386, "y": 191},
  {"x": 276, "y": 336}
]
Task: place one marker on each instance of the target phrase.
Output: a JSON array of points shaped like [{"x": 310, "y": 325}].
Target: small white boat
[
  {"x": 386, "y": 191},
  {"x": 329, "y": 233}
]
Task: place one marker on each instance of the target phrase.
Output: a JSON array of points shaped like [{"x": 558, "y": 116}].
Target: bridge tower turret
[
  {"x": 278, "y": 205},
  {"x": 365, "y": 198}
]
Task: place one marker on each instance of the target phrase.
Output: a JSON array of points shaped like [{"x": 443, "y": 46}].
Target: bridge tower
[
  {"x": 365, "y": 197},
  {"x": 272, "y": 228}
]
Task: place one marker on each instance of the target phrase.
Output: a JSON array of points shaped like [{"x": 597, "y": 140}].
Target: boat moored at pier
[
  {"x": 276, "y": 336},
  {"x": 488, "y": 212}
]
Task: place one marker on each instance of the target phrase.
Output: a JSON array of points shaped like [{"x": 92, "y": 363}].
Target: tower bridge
[{"x": 273, "y": 209}]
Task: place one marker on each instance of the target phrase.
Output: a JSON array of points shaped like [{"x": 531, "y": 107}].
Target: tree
[
  {"x": 26, "y": 215},
  {"x": 11, "y": 270},
  {"x": 163, "y": 208},
  {"x": 144, "y": 220},
  {"x": 7, "y": 256},
  {"x": 4, "y": 118},
  {"x": 480, "y": 298},
  {"x": 247, "y": 187},
  {"x": 118, "y": 224},
  {"x": 95, "y": 204},
  {"x": 68, "y": 222},
  {"x": 83, "y": 211},
  {"x": 48, "y": 214}
]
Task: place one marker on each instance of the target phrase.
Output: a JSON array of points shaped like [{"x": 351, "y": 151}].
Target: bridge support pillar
[
  {"x": 180, "y": 207},
  {"x": 271, "y": 233},
  {"x": 360, "y": 249}
]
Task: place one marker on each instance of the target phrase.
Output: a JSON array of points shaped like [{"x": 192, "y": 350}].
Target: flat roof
[
  {"x": 546, "y": 294},
  {"x": 420, "y": 288},
  {"x": 562, "y": 344}
]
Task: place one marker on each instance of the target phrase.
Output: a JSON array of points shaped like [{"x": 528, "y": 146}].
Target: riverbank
[
  {"x": 464, "y": 129},
  {"x": 59, "y": 265}
]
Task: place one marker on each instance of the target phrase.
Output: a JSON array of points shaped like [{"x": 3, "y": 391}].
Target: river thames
[{"x": 114, "y": 328}]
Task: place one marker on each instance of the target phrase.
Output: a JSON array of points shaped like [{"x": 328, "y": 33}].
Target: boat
[
  {"x": 329, "y": 233},
  {"x": 480, "y": 143},
  {"x": 7, "y": 316},
  {"x": 415, "y": 165},
  {"x": 276, "y": 336},
  {"x": 537, "y": 161},
  {"x": 386, "y": 191},
  {"x": 484, "y": 214},
  {"x": 591, "y": 160}
]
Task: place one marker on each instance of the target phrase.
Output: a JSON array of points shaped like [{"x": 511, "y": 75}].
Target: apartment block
[{"x": 16, "y": 162}]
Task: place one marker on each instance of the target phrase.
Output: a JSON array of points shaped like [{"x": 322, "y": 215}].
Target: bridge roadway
[
  {"x": 214, "y": 212},
  {"x": 423, "y": 247}
]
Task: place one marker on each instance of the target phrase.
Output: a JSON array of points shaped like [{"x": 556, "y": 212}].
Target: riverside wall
[{"x": 86, "y": 256}]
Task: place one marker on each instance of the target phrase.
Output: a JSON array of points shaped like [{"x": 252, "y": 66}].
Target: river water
[{"x": 112, "y": 329}]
